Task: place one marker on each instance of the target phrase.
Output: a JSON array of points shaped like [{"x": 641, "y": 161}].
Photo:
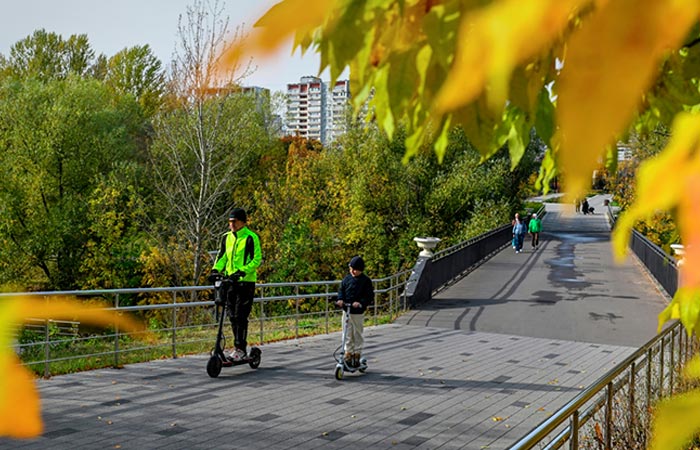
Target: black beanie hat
[
  {"x": 238, "y": 213},
  {"x": 357, "y": 263}
]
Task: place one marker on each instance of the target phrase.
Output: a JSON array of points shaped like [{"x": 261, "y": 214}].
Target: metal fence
[
  {"x": 430, "y": 275},
  {"x": 615, "y": 411},
  {"x": 185, "y": 318},
  {"x": 663, "y": 267}
]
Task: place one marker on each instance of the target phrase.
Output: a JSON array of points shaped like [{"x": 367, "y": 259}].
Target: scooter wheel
[
  {"x": 362, "y": 370},
  {"x": 338, "y": 373},
  {"x": 256, "y": 356},
  {"x": 214, "y": 366}
]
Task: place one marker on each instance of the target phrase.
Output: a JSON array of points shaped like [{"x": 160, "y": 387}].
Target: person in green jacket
[
  {"x": 239, "y": 258},
  {"x": 534, "y": 227}
]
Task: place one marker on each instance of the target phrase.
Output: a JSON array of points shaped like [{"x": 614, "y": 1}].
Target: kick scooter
[
  {"x": 218, "y": 358},
  {"x": 342, "y": 366}
]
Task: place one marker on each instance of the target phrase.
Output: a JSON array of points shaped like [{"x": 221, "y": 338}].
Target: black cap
[
  {"x": 357, "y": 263},
  {"x": 238, "y": 213}
]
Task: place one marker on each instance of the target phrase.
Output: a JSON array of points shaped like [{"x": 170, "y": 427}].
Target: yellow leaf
[
  {"x": 688, "y": 223},
  {"x": 667, "y": 180},
  {"x": 676, "y": 421},
  {"x": 610, "y": 62},
  {"x": 19, "y": 400},
  {"x": 491, "y": 45},
  {"x": 277, "y": 25},
  {"x": 20, "y": 415},
  {"x": 692, "y": 368},
  {"x": 684, "y": 306}
]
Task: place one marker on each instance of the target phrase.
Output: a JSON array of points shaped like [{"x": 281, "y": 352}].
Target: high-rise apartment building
[
  {"x": 315, "y": 109},
  {"x": 338, "y": 101}
]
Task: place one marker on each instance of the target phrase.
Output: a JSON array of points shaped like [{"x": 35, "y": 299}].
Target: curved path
[
  {"x": 477, "y": 368},
  {"x": 569, "y": 288}
]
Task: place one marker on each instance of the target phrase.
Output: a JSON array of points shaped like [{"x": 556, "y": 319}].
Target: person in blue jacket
[{"x": 519, "y": 231}]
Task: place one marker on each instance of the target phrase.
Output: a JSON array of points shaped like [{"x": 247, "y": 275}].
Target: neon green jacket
[
  {"x": 239, "y": 251},
  {"x": 535, "y": 225}
]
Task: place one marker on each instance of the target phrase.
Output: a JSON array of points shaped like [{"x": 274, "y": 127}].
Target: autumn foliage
[{"x": 581, "y": 72}]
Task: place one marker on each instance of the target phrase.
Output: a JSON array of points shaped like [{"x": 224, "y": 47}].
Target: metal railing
[
  {"x": 432, "y": 274},
  {"x": 614, "y": 412},
  {"x": 186, "y": 317},
  {"x": 663, "y": 267}
]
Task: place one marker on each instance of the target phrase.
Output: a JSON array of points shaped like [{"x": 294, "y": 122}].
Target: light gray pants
[{"x": 354, "y": 340}]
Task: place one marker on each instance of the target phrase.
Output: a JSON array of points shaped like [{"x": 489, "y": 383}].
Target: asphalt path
[{"x": 568, "y": 288}]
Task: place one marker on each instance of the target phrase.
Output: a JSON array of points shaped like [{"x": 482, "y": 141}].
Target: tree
[
  {"x": 138, "y": 72},
  {"x": 47, "y": 56},
  {"x": 582, "y": 72},
  {"x": 205, "y": 138},
  {"x": 58, "y": 140}
]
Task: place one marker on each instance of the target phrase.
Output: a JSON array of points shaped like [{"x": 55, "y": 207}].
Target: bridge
[{"x": 477, "y": 367}]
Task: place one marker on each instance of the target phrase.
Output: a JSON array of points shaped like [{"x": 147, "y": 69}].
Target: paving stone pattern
[{"x": 462, "y": 394}]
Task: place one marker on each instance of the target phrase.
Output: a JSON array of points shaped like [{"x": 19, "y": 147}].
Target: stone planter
[{"x": 426, "y": 244}]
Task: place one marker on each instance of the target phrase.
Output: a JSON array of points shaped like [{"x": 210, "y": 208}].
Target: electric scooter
[
  {"x": 339, "y": 354},
  {"x": 218, "y": 358}
]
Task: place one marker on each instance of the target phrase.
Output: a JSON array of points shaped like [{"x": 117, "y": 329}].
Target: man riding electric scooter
[{"x": 238, "y": 259}]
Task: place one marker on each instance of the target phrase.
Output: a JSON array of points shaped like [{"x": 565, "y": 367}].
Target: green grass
[{"x": 70, "y": 355}]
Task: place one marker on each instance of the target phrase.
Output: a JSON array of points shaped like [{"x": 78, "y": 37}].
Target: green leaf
[
  {"x": 480, "y": 125},
  {"x": 515, "y": 131},
  {"x": 676, "y": 422},
  {"x": 545, "y": 117},
  {"x": 548, "y": 170},
  {"x": 442, "y": 141},
  {"x": 380, "y": 102}
]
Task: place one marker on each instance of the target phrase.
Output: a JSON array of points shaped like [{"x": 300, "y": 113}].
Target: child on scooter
[{"x": 356, "y": 289}]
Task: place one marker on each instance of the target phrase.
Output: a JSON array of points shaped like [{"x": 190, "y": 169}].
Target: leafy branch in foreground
[{"x": 20, "y": 415}]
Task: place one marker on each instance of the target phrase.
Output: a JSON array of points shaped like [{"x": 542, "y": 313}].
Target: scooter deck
[{"x": 228, "y": 362}]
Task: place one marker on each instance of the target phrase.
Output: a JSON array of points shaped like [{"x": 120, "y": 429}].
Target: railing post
[
  {"x": 662, "y": 350},
  {"x": 47, "y": 351},
  {"x": 375, "y": 303},
  {"x": 116, "y": 334},
  {"x": 649, "y": 362},
  {"x": 672, "y": 362},
  {"x": 608, "y": 416},
  {"x": 632, "y": 409},
  {"x": 573, "y": 442},
  {"x": 328, "y": 308},
  {"x": 174, "y": 333},
  {"x": 262, "y": 316},
  {"x": 296, "y": 315}
]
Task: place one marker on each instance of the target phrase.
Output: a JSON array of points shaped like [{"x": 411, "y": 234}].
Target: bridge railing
[
  {"x": 432, "y": 274},
  {"x": 663, "y": 267},
  {"x": 185, "y": 317},
  {"x": 615, "y": 411}
]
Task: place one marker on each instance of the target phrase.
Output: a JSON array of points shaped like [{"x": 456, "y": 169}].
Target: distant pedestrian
[
  {"x": 577, "y": 204},
  {"x": 584, "y": 206},
  {"x": 519, "y": 230},
  {"x": 534, "y": 227}
]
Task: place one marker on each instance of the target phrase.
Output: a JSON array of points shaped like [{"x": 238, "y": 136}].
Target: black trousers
[{"x": 239, "y": 303}]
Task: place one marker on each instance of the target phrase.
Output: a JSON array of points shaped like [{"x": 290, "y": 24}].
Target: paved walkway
[{"x": 478, "y": 385}]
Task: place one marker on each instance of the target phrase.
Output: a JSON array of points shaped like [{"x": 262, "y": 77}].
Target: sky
[{"x": 114, "y": 25}]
